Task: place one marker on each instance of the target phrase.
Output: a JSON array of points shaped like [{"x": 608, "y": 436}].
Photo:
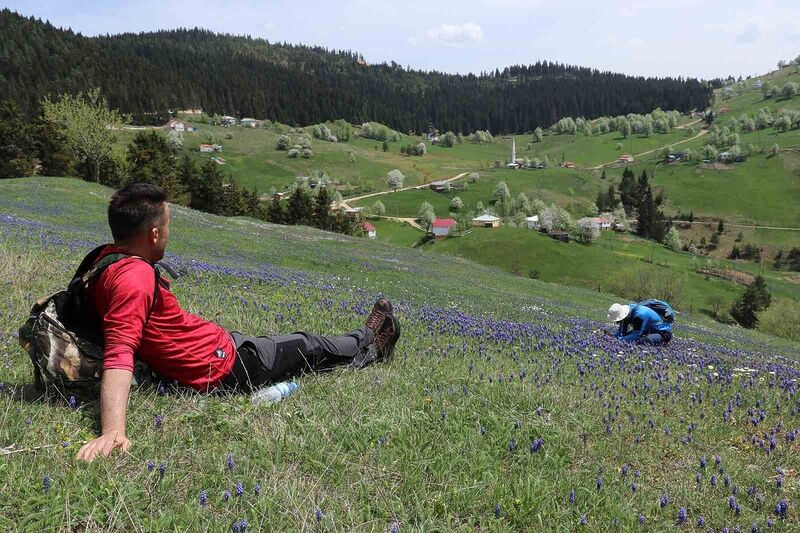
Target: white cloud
[
  {"x": 748, "y": 34},
  {"x": 450, "y": 35}
]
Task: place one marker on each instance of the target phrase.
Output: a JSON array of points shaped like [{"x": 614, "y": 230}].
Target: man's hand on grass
[{"x": 104, "y": 444}]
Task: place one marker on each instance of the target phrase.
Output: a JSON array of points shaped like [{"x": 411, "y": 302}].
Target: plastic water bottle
[{"x": 273, "y": 393}]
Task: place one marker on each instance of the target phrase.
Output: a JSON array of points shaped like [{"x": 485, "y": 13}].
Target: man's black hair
[{"x": 135, "y": 208}]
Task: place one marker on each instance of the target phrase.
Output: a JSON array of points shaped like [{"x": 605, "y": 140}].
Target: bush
[
  {"x": 781, "y": 319},
  {"x": 638, "y": 284}
]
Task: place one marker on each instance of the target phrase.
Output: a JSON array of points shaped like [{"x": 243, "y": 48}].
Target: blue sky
[{"x": 651, "y": 38}]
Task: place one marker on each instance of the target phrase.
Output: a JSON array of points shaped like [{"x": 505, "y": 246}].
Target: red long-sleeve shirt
[{"x": 174, "y": 343}]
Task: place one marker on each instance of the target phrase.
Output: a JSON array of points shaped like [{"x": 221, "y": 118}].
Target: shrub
[{"x": 781, "y": 319}]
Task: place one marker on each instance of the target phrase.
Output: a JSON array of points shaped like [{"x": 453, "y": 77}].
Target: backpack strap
[{"x": 90, "y": 268}]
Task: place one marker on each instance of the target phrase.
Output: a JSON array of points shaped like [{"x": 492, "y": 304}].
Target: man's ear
[{"x": 154, "y": 234}]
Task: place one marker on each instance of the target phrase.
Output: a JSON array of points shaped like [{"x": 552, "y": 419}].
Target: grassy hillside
[
  {"x": 501, "y": 400},
  {"x": 606, "y": 265}
]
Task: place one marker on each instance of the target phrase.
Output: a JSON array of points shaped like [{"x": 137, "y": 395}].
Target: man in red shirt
[{"x": 142, "y": 318}]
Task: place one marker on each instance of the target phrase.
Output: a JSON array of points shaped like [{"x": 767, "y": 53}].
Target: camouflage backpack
[{"x": 64, "y": 337}]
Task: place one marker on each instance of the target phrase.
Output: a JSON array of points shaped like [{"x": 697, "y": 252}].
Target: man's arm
[
  {"x": 115, "y": 386},
  {"x": 632, "y": 336}
]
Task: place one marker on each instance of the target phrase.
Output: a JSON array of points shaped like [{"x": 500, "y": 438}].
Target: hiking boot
[
  {"x": 377, "y": 316},
  {"x": 382, "y": 348}
]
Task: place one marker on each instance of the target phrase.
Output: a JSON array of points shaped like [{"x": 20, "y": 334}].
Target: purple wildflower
[
  {"x": 162, "y": 469},
  {"x": 158, "y": 420},
  {"x": 624, "y": 470},
  {"x": 512, "y": 445},
  {"x": 517, "y": 424},
  {"x": 702, "y": 462},
  {"x": 231, "y": 464},
  {"x": 239, "y": 490},
  {"x": 497, "y": 511},
  {"x": 226, "y": 495},
  {"x": 782, "y": 509},
  {"x": 257, "y": 489},
  {"x": 641, "y": 519},
  {"x": 203, "y": 498},
  {"x": 664, "y": 501},
  {"x": 395, "y": 527},
  {"x": 236, "y": 527},
  {"x": 731, "y": 502},
  {"x": 714, "y": 480},
  {"x": 584, "y": 521},
  {"x": 47, "y": 484},
  {"x": 754, "y": 528},
  {"x": 150, "y": 465},
  {"x": 318, "y": 515},
  {"x": 599, "y": 483},
  {"x": 243, "y": 526},
  {"x": 572, "y": 496},
  {"x": 682, "y": 515},
  {"x": 73, "y": 403},
  {"x": 701, "y": 521},
  {"x": 537, "y": 444}
]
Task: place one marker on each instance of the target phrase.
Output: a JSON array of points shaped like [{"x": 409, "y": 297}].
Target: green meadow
[{"x": 502, "y": 410}]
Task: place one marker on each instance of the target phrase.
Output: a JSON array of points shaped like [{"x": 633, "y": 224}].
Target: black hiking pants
[{"x": 263, "y": 360}]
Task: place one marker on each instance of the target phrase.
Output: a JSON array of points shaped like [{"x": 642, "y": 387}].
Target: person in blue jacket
[{"x": 640, "y": 324}]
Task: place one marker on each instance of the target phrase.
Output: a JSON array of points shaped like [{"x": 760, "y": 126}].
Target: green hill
[{"x": 500, "y": 401}]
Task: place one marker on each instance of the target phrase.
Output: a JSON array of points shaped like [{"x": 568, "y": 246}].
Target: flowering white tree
[
  {"x": 586, "y": 231},
  {"x": 672, "y": 239},
  {"x": 394, "y": 178},
  {"x": 456, "y": 204}
]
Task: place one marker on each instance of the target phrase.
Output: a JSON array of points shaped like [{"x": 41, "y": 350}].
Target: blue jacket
[{"x": 642, "y": 321}]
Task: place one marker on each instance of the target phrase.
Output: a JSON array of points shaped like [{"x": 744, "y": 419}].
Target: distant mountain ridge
[{"x": 297, "y": 84}]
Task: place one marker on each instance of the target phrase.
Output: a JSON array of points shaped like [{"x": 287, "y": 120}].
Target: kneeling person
[
  {"x": 141, "y": 318},
  {"x": 640, "y": 324}
]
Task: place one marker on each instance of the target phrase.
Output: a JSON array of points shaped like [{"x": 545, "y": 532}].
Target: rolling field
[
  {"x": 502, "y": 410},
  {"x": 605, "y": 264}
]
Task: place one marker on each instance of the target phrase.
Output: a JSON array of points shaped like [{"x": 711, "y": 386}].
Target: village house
[
  {"x": 758, "y": 84},
  {"x": 369, "y": 229},
  {"x": 602, "y": 223},
  {"x": 533, "y": 222},
  {"x": 208, "y": 148},
  {"x": 558, "y": 235},
  {"x": 227, "y": 121},
  {"x": 728, "y": 157},
  {"x": 724, "y": 110},
  {"x": 189, "y": 112},
  {"x": 486, "y": 221},
  {"x": 249, "y": 123},
  {"x": 278, "y": 196},
  {"x": 568, "y": 164},
  {"x": 442, "y": 227},
  {"x": 674, "y": 157},
  {"x": 625, "y": 158},
  {"x": 439, "y": 186},
  {"x": 176, "y": 125},
  {"x": 354, "y": 213}
]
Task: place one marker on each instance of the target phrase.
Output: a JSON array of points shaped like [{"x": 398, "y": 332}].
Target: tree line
[{"x": 148, "y": 73}]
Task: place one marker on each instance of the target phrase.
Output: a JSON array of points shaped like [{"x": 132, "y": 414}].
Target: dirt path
[
  {"x": 636, "y": 156},
  {"x": 410, "y": 221},
  {"x": 346, "y": 203}
]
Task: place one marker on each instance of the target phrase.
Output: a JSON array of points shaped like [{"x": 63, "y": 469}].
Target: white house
[
  {"x": 176, "y": 125},
  {"x": 227, "y": 120},
  {"x": 442, "y": 227},
  {"x": 369, "y": 229},
  {"x": 758, "y": 84},
  {"x": 601, "y": 222},
  {"x": 486, "y": 221},
  {"x": 249, "y": 123},
  {"x": 354, "y": 212},
  {"x": 533, "y": 222}
]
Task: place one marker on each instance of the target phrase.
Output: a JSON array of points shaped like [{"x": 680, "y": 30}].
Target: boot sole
[{"x": 387, "y": 351}]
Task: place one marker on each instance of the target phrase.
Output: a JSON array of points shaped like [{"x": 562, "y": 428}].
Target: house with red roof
[
  {"x": 369, "y": 229},
  {"x": 442, "y": 227}
]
